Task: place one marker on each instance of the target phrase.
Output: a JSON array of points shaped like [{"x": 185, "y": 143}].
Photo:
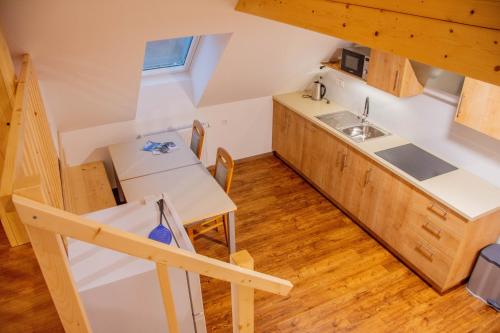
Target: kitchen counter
[{"x": 467, "y": 194}]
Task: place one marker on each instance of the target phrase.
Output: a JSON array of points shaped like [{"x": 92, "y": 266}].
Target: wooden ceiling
[{"x": 461, "y": 36}]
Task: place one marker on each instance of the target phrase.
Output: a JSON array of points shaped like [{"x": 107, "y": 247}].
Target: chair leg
[
  {"x": 191, "y": 234},
  {"x": 224, "y": 223}
]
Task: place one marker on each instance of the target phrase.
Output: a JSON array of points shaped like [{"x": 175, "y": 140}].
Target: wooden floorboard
[
  {"x": 344, "y": 280},
  {"x": 25, "y": 303}
]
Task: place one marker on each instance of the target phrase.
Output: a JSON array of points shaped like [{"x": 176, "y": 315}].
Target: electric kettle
[{"x": 318, "y": 91}]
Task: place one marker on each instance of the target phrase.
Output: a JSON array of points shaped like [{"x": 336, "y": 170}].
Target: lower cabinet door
[
  {"x": 288, "y": 134},
  {"x": 352, "y": 168},
  {"x": 335, "y": 174},
  {"x": 295, "y": 126},
  {"x": 316, "y": 158},
  {"x": 376, "y": 201},
  {"x": 322, "y": 159},
  {"x": 279, "y": 127}
]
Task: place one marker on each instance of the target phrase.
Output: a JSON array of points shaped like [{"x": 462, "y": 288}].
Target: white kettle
[{"x": 318, "y": 91}]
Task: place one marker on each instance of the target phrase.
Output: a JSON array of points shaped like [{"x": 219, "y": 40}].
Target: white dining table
[
  {"x": 194, "y": 193},
  {"x": 130, "y": 161}
]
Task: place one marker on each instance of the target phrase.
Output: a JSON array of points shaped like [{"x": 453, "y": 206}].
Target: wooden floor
[{"x": 344, "y": 280}]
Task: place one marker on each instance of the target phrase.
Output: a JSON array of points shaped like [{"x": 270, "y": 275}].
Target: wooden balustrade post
[
  {"x": 168, "y": 297},
  {"x": 242, "y": 297},
  {"x": 51, "y": 255}
]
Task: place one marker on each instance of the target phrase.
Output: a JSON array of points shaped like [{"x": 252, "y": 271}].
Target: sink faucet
[{"x": 366, "y": 110}]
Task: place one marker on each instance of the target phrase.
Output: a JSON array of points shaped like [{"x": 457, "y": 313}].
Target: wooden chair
[
  {"x": 197, "y": 138},
  {"x": 223, "y": 174}
]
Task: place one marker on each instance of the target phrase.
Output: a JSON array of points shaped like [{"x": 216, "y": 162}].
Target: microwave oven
[{"x": 355, "y": 60}]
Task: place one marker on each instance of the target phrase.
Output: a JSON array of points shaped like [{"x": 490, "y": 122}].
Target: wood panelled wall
[
  {"x": 40, "y": 156},
  {"x": 462, "y": 36},
  {"x": 7, "y": 88},
  {"x": 26, "y": 146}
]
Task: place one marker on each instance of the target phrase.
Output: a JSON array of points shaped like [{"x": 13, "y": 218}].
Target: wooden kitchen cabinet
[
  {"x": 279, "y": 127},
  {"x": 288, "y": 134},
  {"x": 393, "y": 74},
  {"x": 437, "y": 243},
  {"x": 479, "y": 107},
  {"x": 351, "y": 184},
  {"x": 377, "y": 196},
  {"x": 321, "y": 158}
]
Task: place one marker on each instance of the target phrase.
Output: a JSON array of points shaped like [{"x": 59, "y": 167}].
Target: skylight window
[{"x": 169, "y": 54}]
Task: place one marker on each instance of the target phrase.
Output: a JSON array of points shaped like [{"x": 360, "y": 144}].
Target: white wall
[
  {"x": 425, "y": 121},
  {"x": 89, "y": 53},
  {"x": 168, "y": 101},
  {"x": 243, "y": 128},
  {"x": 205, "y": 62}
]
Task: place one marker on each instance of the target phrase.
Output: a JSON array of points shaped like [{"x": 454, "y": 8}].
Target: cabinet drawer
[
  {"x": 436, "y": 224},
  {"x": 425, "y": 257},
  {"x": 435, "y": 233}
]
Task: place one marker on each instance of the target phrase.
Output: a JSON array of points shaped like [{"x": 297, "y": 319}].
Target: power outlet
[{"x": 339, "y": 82}]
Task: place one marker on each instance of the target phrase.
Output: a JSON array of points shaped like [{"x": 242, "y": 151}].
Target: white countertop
[{"x": 467, "y": 194}]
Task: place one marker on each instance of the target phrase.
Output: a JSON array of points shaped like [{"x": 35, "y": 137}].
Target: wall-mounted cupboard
[
  {"x": 386, "y": 71},
  {"x": 393, "y": 74},
  {"x": 478, "y": 102},
  {"x": 479, "y": 107}
]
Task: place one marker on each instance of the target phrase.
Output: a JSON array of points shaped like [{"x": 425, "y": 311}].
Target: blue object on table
[
  {"x": 151, "y": 145},
  {"x": 161, "y": 233},
  {"x": 164, "y": 147}
]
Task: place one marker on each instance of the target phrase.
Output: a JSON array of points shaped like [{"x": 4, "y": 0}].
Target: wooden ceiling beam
[
  {"x": 460, "y": 44},
  {"x": 480, "y": 13}
]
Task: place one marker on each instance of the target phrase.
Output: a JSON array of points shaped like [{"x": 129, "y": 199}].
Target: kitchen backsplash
[{"x": 424, "y": 120}]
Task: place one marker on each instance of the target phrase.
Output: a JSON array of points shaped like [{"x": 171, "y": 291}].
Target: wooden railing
[
  {"x": 29, "y": 151},
  {"x": 46, "y": 225},
  {"x": 31, "y": 205}
]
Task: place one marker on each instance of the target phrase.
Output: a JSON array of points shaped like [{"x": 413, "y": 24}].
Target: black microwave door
[{"x": 352, "y": 62}]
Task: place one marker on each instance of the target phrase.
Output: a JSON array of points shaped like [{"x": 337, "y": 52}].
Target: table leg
[{"x": 232, "y": 232}]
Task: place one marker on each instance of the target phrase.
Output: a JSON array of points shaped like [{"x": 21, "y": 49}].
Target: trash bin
[{"x": 484, "y": 282}]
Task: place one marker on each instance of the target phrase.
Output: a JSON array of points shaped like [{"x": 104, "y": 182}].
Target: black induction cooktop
[{"x": 415, "y": 161}]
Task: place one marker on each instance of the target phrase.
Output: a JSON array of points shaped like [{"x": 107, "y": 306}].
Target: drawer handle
[
  {"x": 427, "y": 227},
  {"x": 367, "y": 177},
  {"x": 438, "y": 211},
  {"x": 462, "y": 97},
  {"x": 427, "y": 254},
  {"x": 343, "y": 163},
  {"x": 396, "y": 81}
]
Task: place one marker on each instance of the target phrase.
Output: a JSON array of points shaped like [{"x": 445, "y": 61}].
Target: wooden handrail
[
  {"x": 15, "y": 140},
  {"x": 29, "y": 201},
  {"x": 13, "y": 158},
  {"x": 51, "y": 219}
]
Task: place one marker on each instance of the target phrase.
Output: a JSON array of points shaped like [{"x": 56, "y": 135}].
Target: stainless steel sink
[
  {"x": 340, "y": 119},
  {"x": 351, "y": 125},
  {"x": 360, "y": 133}
]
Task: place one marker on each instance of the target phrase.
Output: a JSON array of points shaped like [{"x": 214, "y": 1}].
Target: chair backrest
[
  {"x": 224, "y": 167},
  {"x": 197, "y": 138}
]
